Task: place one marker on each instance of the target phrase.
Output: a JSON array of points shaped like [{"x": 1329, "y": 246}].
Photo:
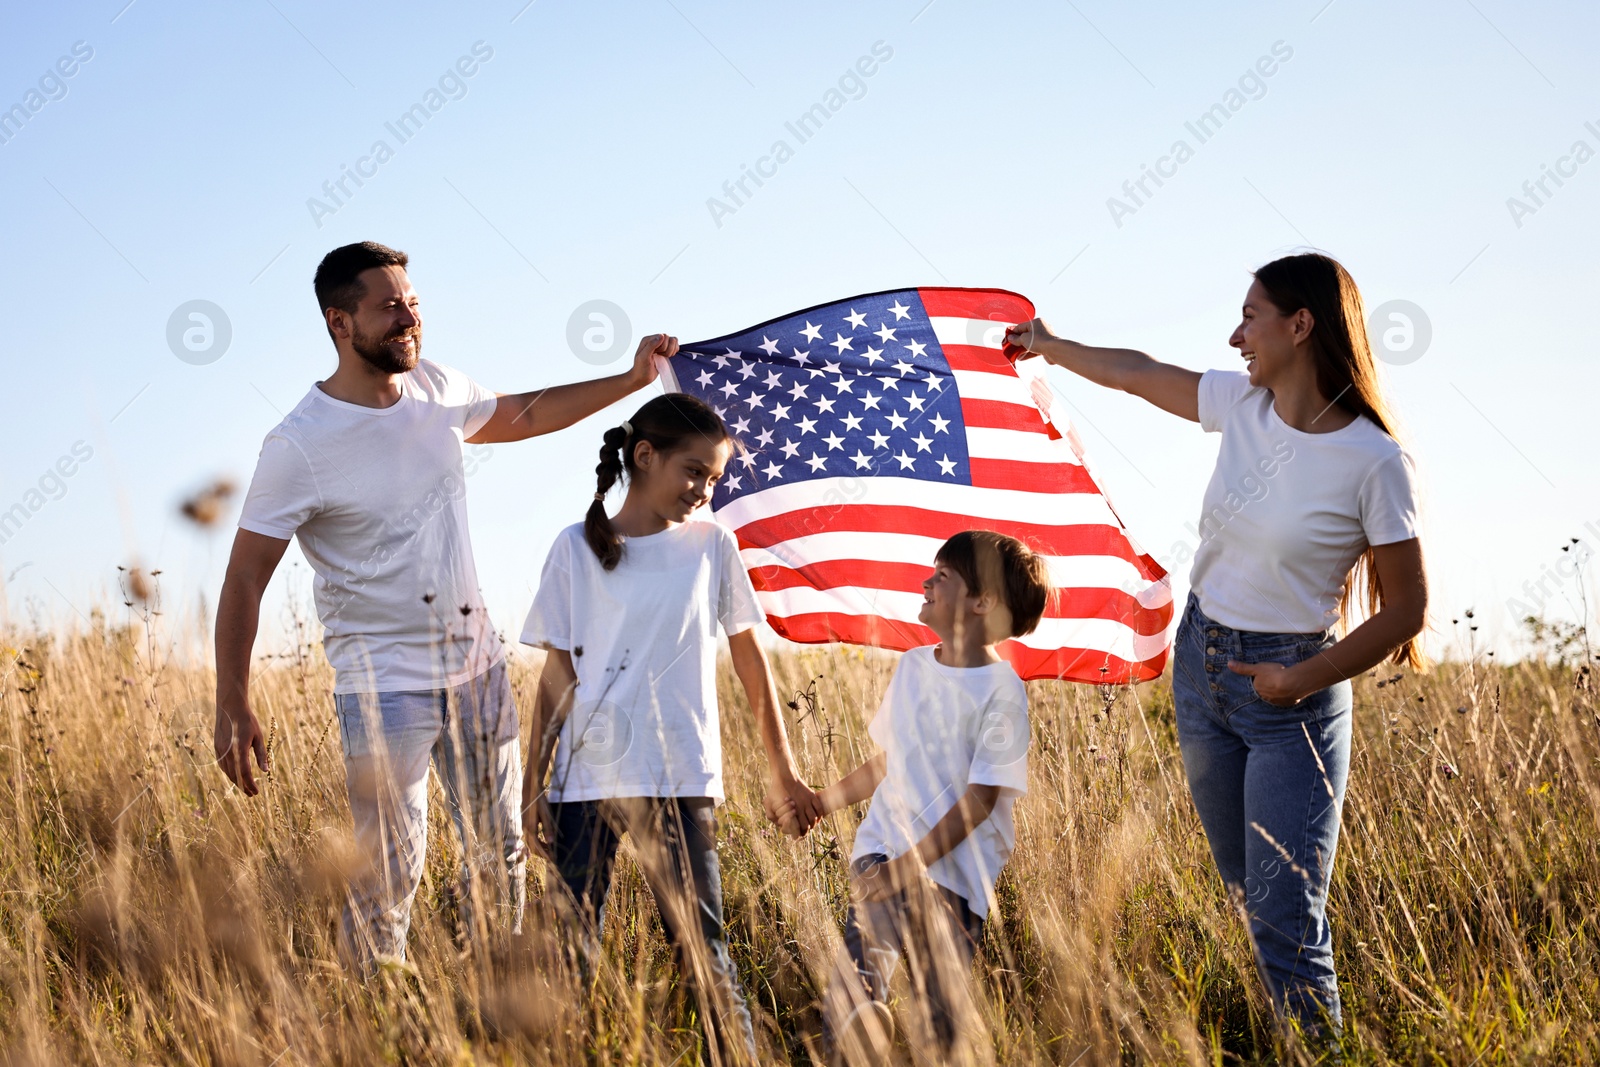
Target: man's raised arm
[
  {"x": 238, "y": 733},
  {"x": 519, "y": 416}
]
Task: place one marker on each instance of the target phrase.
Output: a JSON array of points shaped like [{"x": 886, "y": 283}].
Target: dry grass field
[{"x": 150, "y": 914}]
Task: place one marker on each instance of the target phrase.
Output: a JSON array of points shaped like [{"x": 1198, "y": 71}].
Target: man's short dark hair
[
  {"x": 338, "y": 281},
  {"x": 992, "y": 562}
]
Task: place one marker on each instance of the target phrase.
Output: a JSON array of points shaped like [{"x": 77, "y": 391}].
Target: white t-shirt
[
  {"x": 643, "y": 640},
  {"x": 377, "y": 498},
  {"x": 1288, "y": 513},
  {"x": 943, "y": 729}
]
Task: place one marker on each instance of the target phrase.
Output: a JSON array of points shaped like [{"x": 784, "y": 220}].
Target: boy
[{"x": 953, "y": 727}]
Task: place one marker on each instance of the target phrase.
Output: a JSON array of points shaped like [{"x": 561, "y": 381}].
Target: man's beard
[{"x": 379, "y": 355}]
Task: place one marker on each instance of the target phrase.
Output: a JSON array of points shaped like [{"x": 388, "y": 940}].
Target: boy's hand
[
  {"x": 788, "y": 821},
  {"x": 884, "y": 880}
]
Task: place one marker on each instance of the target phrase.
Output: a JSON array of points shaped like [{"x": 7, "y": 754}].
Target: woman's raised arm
[{"x": 1170, "y": 388}]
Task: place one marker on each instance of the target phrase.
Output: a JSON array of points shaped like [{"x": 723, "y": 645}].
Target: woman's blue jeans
[{"x": 1269, "y": 785}]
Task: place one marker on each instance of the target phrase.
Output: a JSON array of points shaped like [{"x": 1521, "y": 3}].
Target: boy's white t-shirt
[
  {"x": 643, "y": 641},
  {"x": 377, "y": 499},
  {"x": 1288, "y": 513},
  {"x": 942, "y": 729}
]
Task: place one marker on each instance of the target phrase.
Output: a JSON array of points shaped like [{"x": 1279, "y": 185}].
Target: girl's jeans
[
  {"x": 470, "y": 734},
  {"x": 1269, "y": 785}
]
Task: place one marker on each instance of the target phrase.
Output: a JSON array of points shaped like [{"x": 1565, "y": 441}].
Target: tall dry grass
[{"x": 151, "y": 914}]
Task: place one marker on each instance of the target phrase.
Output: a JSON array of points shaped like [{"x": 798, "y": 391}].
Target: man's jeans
[
  {"x": 675, "y": 840},
  {"x": 929, "y": 926},
  {"x": 470, "y": 734},
  {"x": 1269, "y": 785}
]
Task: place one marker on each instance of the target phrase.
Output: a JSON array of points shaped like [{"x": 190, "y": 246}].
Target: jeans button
[
  {"x": 1211, "y": 632},
  {"x": 1211, "y": 650},
  {"x": 1215, "y": 686}
]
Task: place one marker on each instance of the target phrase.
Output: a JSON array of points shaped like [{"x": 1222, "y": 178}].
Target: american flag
[{"x": 871, "y": 429}]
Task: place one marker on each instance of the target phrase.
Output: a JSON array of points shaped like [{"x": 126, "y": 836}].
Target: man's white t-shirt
[
  {"x": 377, "y": 499},
  {"x": 1288, "y": 513},
  {"x": 643, "y": 641},
  {"x": 942, "y": 729}
]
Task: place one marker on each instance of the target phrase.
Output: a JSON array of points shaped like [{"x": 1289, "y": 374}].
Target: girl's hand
[
  {"x": 539, "y": 827},
  {"x": 1026, "y": 339},
  {"x": 787, "y": 820},
  {"x": 807, "y": 804},
  {"x": 1274, "y": 683}
]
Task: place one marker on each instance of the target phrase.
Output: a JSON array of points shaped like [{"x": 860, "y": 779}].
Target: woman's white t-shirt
[
  {"x": 1288, "y": 513},
  {"x": 643, "y": 641},
  {"x": 943, "y": 729}
]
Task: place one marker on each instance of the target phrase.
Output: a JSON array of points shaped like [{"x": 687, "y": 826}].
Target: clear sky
[{"x": 576, "y": 161}]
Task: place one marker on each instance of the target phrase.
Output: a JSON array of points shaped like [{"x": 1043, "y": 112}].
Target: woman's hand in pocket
[{"x": 1274, "y": 683}]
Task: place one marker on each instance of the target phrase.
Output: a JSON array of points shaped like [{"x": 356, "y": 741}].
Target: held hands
[
  {"x": 794, "y": 806},
  {"x": 238, "y": 736},
  {"x": 645, "y": 368},
  {"x": 1274, "y": 683}
]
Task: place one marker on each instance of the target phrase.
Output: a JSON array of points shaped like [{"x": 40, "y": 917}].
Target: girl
[
  {"x": 628, "y": 609},
  {"x": 1311, "y": 498}
]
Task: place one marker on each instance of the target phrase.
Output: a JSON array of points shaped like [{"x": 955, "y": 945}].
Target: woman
[{"x": 1311, "y": 499}]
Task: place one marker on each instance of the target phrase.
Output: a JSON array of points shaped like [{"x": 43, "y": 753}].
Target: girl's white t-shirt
[
  {"x": 1288, "y": 513},
  {"x": 943, "y": 729},
  {"x": 643, "y": 641}
]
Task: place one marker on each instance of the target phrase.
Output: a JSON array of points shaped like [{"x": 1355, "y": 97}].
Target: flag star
[
  {"x": 816, "y": 463},
  {"x": 755, "y": 399},
  {"x": 843, "y": 384},
  {"x": 862, "y": 460},
  {"x": 915, "y": 401},
  {"x": 870, "y": 402},
  {"x": 903, "y": 367},
  {"x": 906, "y": 462},
  {"x": 840, "y": 342},
  {"x": 802, "y": 358},
  {"x": 748, "y": 459},
  {"x": 852, "y": 423},
  {"x": 872, "y": 355},
  {"x": 825, "y": 405},
  {"x": 764, "y": 438},
  {"x": 885, "y": 334},
  {"x": 799, "y": 391},
  {"x": 935, "y": 383},
  {"x": 769, "y": 345},
  {"x": 789, "y": 449},
  {"x": 939, "y": 424},
  {"x": 705, "y": 377},
  {"x": 946, "y": 465},
  {"x": 811, "y": 333},
  {"x": 917, "y": 348},
  {"x": 831, "y": 368},
  {"x": 855, "y": 319},
  {"x": 835, "y": 442},
  {"x": 773, "y": 470},
  {"x": 897, "y": 421},
  {"x": 729, "y": 387},
  {"x": 720, "y": 361},
  {"x": 890, "y": 383},
  {"x": 747, "y": 370},
  {"x": 732, "y": 483},
  {"x": 780, "y": 411},
  {"x": 722, "y": 413},
  {"x": 900, "y": 311},
  {"x": 923, "y": 443},
  {"x": 733, "y": 354},
  {"x": 878, "y": 439},
  {"x": 807, "y": 425},
  {"x": 773, "y": 381},
  {"x": 742, "y": 426}
]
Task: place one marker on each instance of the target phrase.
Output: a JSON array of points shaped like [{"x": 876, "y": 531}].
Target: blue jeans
[
  {"x": 1269, "y": 785},
  {"x": 470, "y": 734},
  {"x": 675, "y": 841}
]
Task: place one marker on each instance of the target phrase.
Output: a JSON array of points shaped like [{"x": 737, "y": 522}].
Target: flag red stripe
[
  {"x": 1112, "y": 605},
  {"x": 977, "y": 357},
  {"x": 997, "y": 305},
  {"x": 999, "y": 415},
  {"x": 1036, "y": 477},
  {"x": 1071, "y": 664},
  {"x": 1085, "y": 540}
]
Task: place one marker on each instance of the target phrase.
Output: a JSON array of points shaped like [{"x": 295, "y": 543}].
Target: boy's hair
[
  {"x": 665, "y": 422},
  {"x": 991, "y": 562}
]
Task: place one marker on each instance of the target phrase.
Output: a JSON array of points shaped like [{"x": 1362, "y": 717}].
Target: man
[{"x": 367, "y": 472}]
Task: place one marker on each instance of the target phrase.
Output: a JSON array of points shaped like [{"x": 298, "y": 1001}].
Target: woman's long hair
[
  {"x": 666, "y": 422},
  {"x": 1346, "y": 373}
]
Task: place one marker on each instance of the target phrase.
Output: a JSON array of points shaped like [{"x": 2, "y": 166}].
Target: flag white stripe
[
  {"x": 1015, "y": 505},
  {"x": 986, "y": 443},
  {"x": 980, "y": 333},
  {"x": 1066, "y": 572},
  {"x": 982, "y": 385},
  {"x": 1100, "y": 635}
]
